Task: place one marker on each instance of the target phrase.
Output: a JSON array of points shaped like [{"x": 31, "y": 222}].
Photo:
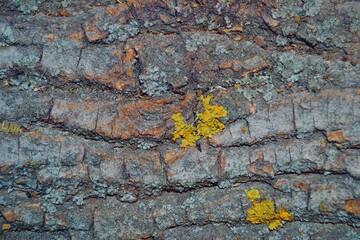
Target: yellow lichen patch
[
  {"x": 36, "y": 164},
  {"x": 264, "y": 211},
  {"x": 322, "y": 207},
  {"x": 184, "y": 131},
  {"x": 6, "y": 226},
  {"x": 6, "y": 126},
  {"x": 252, "y": 194},
  {"x": 297, "y": 19},
  {"x": 207, "y": 123}
]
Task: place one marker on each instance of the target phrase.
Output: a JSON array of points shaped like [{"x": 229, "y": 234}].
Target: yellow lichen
[
  {"x": 297, "y": 19},
  {"x": 264, "y": 211},
  {"x": 207, "y": 123},
  {"x": 6, "y": 126},
  {"x": 252, "y": 194},
  {"x": 184, "y": 131},
  {"x": 36, "y": 164},
  {"x": 6, "y": 226}
]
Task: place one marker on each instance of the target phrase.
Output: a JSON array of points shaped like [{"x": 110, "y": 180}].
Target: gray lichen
[
  {"x": 289, "y": 65},
  {"x": 221, "y": 49},
  {"x": 55, "y": 196},
  {"x": 128, "y": 197},
  {"x": 286, "y": 8},
  {"x": 293, "y": 8},
  {"x": 222, "y": 5},
  {"x": 312, "y": 7},
  {"x": 112, "y": 190},
  {"x": 2, "y": 73},
  {"x": 224, "y": 184},
  {"x": 65, "y": 3},
  {"x": 29, "y": 82},
  {"x": 213, "y": 26},
  {"x": 201, "y": 20},
  {"x": 355, "y": 22},
  {"x": 7, "y": 37},
  {"x": 281, "y": 41},
  {"x": 48, "y": 207},
  {"x": 79, "y": 199},
  {"x": 148, "y": 24},
  {"x": 26, "y": 6},
  {"x": 195, "y": 40},
  {"x": 121, "y": 33},
  {"x": 145, "y": 144},
  {"x": 153, "y": 82},
  {"x": 251, "y": 86},
  {"x": 307, "y": 71},
  {"x": 21, "y": 56},
  {"x": 325, "y": 29}
]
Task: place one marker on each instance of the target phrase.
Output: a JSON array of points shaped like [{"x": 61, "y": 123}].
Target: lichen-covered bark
[{"x": 93, "y": 85}]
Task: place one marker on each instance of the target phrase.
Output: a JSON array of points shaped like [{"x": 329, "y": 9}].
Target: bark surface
[{"x": 93, "y": 86}]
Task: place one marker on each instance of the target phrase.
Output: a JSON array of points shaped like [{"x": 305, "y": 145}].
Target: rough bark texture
[{"x": 94, "y": 85}]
